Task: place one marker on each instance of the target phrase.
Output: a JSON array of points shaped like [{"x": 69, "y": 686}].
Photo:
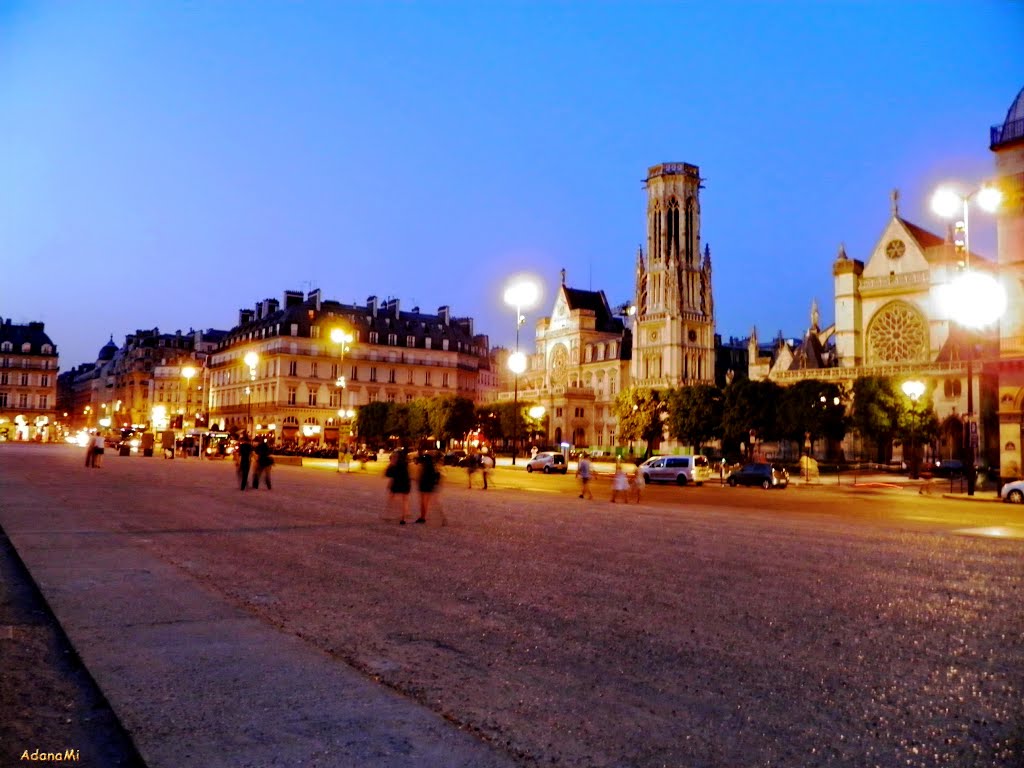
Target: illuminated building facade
[{"x": 28, "y": 382}]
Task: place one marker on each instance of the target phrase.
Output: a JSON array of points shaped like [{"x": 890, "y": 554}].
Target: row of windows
[
  {"x": 24, "y": 379},
  {"x": 5, "y": 362},
  {"x": 355, "y": 372},
  {"x": 26, "y": 348},
  {"x": 24, "y": 400}
]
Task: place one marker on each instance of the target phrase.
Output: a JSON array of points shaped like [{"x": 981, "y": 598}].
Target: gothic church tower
[{"x": 674, "y": 329}]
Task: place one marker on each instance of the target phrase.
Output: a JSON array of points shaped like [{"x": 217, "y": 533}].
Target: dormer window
[{"x": 26, "y": 347}]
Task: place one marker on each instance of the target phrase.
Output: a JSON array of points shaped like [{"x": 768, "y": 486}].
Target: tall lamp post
[
  {"x": 252, "y": 360},
  {"x": 974, "y": 299},
  {"x": 342, "y": 338},
  {"x": 188, "y": 372},
  {"x": 913, "y": 389},
  {"x": 522, "y": 293}
]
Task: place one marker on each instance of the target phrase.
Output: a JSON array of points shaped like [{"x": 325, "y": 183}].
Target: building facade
[
  {"x": 302, "y": 378},
  {"x": 29, "y": 367},
  {"x": 579, "y": 364},
  {"x": 1007, "y": 143},
  {"x": 674, "y": 321}
]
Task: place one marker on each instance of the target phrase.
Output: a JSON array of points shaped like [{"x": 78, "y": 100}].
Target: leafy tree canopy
[{"x": 695, "y": 413}]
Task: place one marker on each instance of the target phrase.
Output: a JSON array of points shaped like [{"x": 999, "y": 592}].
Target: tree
[
  {"x": 451, "y": 417},
  {"x": 815, "y": 408},
  {"x": 695, "y": 413},
  {"x": 371, "y": 421},
  {"x": 877, "y": 410},
  {"x": 750, "y": 405},
  {"x": 639, "y": 411}
]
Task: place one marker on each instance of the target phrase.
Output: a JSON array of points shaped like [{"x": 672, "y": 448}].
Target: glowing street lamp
[
  {"x": 522, "y": 293},
  {"x": 913, "y": 389},
  {"x": 252, "y": 360},
  {"x": 342, "y": 338},
  {"x": 973, "y": 299}
]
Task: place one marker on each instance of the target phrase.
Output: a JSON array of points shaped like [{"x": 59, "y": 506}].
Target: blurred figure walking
[
  {"x": 637, "y": 483},
  {"x": 486, "y": 465},
  {"x": 99, "y": 444},
  {"x": 399, "y": 483},
  {"x": 264, "y": 461},
  {"x": 429, "y": 478},
  {"x": 244, "y": 460},
  {"x": 620, "y": 484},
  {"x": 584, "y": 473}
]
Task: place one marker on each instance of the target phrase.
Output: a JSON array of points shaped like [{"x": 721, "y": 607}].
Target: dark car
[
  {"x": 364, "y": 456},
  {"x": 948, "y": 468},
  {"x": 765, "y": 475},
  {"x": 454, "y": 458}
]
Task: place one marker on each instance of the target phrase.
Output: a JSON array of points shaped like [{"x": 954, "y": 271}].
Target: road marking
[{"x": 994, "y": 532}]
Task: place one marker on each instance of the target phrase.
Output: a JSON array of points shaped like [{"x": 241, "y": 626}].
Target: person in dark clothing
[
  {"x": 428, "y": 480},
  {"x": 264, "y": 461},
  {"x": 399, "y": 483},
  {"x": 244, "y": 459}
]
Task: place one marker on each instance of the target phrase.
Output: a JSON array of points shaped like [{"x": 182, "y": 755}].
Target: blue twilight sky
[{"x": 163, "y": 164}]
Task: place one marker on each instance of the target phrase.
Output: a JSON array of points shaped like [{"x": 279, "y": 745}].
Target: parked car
[
  {"x": 765, "y": 475},
  {"x": 453, "y": 458},
  {"x": 547, "y": 462},
  {"x": 1013, "y": 492},
  {"x": 948, "y": 468},
  {"x": 364, "y": 456},
  {"x": 676, "y": 469}
]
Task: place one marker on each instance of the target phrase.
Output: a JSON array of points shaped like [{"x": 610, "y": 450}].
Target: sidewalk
[{"x": 198, "y": 682}]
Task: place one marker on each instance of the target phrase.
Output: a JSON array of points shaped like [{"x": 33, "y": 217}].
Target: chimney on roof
[
  {"x": 371, "y": 305},
  {"x": 391, "y": 307},
  {"x": 244, "y": 316},
  {"x": 272, "y": 306},
  {"x": 259, "y": 310},
  {"x": 445, "y": 313},
  {"x": 292, "y": 299},
  {"x": 314, "y": 296}
]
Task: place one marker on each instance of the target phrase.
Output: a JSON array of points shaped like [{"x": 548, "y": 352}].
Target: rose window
[{"x": 897, "y": 335}]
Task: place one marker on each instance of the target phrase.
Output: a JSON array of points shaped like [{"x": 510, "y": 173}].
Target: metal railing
[{"x": 1007, "y": 132}]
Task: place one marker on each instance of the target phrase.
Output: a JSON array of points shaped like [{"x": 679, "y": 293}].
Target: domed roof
[
  {"x": 1016, "y": 111},
  {"x": 108, "y": 350}
]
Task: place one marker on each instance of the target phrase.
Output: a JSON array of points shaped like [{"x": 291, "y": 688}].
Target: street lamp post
[
  {"x": 342, "y": 338},
  {"x": 973, "y": 299},
  {"x": 522, "y": 293},
  {"x": 913, "y": 389},
  {"x": 188, "y": 372},
  {"x": 252, "y": 360}
]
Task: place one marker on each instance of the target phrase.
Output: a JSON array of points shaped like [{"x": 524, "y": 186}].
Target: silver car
[
  {"x": 676, "y": 469},
  {"x": 547, "y": 462}
]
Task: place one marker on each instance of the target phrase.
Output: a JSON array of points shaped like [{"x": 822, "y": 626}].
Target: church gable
[{"x": 898, "y": 251}]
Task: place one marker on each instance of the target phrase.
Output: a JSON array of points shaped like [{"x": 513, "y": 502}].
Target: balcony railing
[{"x": 1004, "y": 134}]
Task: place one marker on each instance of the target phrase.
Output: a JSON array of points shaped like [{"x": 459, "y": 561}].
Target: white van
[{"x": 677, "y": 469}]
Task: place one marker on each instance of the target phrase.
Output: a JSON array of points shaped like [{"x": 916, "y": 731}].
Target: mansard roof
[
  {"x": 32, "y": 334},
  {"x": 810, "y": 354},
  {"x": 596, "y": 302}
]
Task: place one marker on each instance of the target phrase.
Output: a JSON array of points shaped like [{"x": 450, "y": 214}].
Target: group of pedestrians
[
  {"x": 479, "y": 462},
  {"x": 400, "y": 481},
  {"x": 623, "y": 486},
  {"x": 264, "y": 460},
  {"x": 94, "y": 451}
]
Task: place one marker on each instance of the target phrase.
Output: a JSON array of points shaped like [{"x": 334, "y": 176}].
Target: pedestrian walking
[
  {"x": 90, "y": 451},
  {"x": 428, "y": 481},
  {"x": 99, "y": 444},
  {"x": 486, "y": 465},
  {"x": 472, "y": 465},
  {"x": 399, "y": 483},
  {"x": 620, "y": 484},
  {"x": 264, "y": 461},
  {"x": 584, "y": 473},
  {"x": 244, "y": 460},
  {"x": 637, "y": 483}
]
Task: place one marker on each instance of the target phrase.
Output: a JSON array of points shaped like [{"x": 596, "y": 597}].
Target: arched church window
[
  {"x": 897, "y": 334},
  {"x": 673, "y": 226},
  {"x": 689, "y": 232},
  {"x": 655, "y": 246}
]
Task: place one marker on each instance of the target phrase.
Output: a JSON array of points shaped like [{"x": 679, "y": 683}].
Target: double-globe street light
[
  {"x": 522, "y": 293},
  {"x": 973, "y": 299},
  {"x": 342, "y": 338},
  {"x": 252, "y": 360},
  {"x": 913, "y": 389}
]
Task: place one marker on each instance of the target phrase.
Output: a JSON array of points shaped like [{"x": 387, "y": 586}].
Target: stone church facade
[
  {"x": 585, "y": 354},
  {"x": 892, "y": 320}
]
